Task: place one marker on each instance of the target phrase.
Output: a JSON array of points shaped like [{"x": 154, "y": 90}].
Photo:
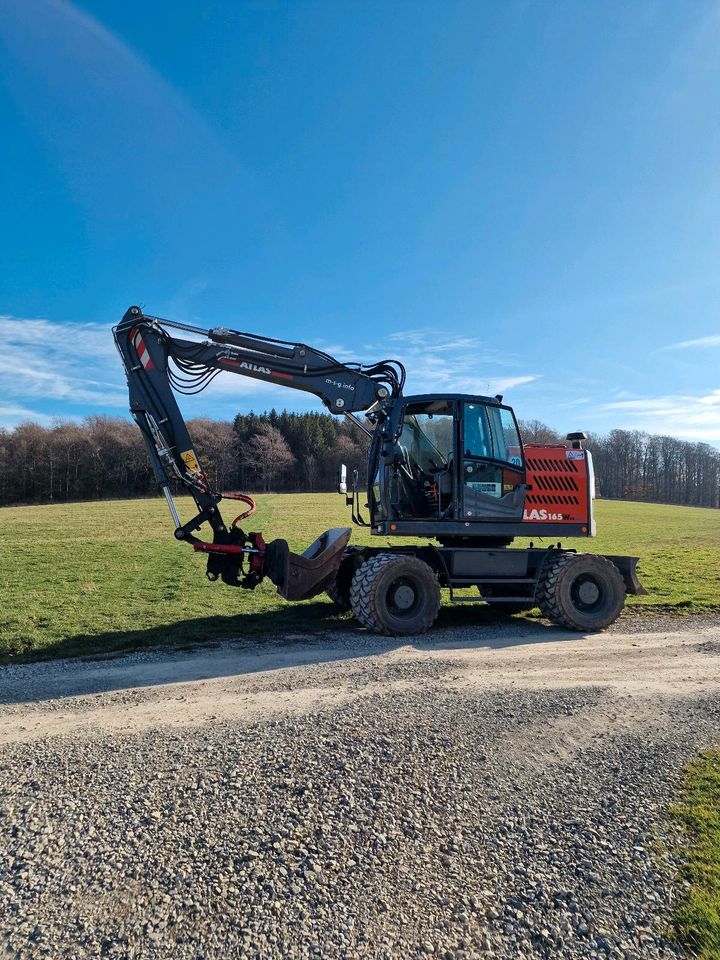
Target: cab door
[{"x": 491, "y": 463}]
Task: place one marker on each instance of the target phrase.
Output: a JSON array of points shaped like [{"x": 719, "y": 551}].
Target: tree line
[
  {"x": 633, "y": 465},
  {"x": 105, "y": 457}
]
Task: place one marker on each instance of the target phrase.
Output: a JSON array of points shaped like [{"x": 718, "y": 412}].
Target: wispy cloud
[
  {"x": 424, "y": 339},
  {"x": 452, "y": 365},
  {"x": 73, "y": 368},
  {"x": 118, "y": 69},
  {"x": 50, "y": 369},
  {"x": 687, "y": 416},
  {"x": 455, "y": 364},
  {"x": 70, "y": 363},
  {"x": 10, "y": 416},
  {"x": 712, "y": 341}
]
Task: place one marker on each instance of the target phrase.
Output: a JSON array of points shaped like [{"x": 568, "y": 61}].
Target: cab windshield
[{"x": 490, "y": 433}]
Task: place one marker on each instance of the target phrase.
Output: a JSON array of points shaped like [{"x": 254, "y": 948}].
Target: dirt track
[
  {"x": 250, "y": 681},
  {"x": 488, "y": 792}
]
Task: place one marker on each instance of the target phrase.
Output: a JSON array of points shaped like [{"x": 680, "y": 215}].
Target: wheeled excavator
[{"x": 448, "y": 469}]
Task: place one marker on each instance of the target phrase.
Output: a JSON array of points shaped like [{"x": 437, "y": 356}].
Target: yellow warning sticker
[{"x": 191, "y": 461}]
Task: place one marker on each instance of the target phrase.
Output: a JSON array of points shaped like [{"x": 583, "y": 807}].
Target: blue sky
[{"x": 522, "y": 197}]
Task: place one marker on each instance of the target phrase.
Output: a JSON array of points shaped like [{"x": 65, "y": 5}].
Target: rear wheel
[
  {"x": 395, "y": 594},
  {"x": 581, "y": 591}
]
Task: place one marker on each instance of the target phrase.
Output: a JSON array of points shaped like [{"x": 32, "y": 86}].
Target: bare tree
[
  {"x": 535, "y": 431},
  {"x": 269, "y": 455},
  {"x": 311, "y": 469},
  {"x": 217, "y": 446}
]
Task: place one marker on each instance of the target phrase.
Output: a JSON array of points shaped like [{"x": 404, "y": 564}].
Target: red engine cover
[{"x": 558, "y": 485}]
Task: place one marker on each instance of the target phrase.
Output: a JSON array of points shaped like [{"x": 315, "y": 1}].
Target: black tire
[
  {"x": 581, "y": 591},
  {"x": 395, "y": 594},
  {"x": 339, "y": 589}
]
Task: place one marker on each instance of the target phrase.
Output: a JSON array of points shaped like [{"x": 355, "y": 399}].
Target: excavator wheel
[
  {"x": 395, "y": 594},
  {"x": 581, "y": 591},
  {"x": 339, "y": 589}
]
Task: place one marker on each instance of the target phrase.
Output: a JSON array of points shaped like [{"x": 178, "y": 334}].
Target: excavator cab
[{"x": 455, "y": 461}]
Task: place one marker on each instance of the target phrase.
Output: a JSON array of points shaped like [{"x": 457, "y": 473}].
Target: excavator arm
[{"x": 158, "y": 364}]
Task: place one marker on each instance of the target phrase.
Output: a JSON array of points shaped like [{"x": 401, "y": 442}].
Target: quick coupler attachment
[
  {"x": 243, "y": 560},
  {"x": 228, "y": 554}
]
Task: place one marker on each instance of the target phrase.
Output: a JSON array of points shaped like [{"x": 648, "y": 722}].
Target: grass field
[
  {"x": 110, "y": 576},
  {"x": 698, "y": 912}
]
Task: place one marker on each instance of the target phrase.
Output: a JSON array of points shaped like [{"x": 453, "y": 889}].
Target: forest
[{"x": 105, "y": 457}]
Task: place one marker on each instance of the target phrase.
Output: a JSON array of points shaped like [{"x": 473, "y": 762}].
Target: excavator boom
[{"x": 159, "y": 363}]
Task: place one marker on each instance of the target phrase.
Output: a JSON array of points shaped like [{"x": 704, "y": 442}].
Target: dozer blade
[
  {"x": 301, "y": 576},
  {"x": 628, "y": 568}
]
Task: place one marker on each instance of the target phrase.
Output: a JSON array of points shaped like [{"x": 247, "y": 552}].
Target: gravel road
[{"x": 495, "y": 792}]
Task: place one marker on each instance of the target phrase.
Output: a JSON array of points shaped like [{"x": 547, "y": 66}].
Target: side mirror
[{"x": 342, "y": 479}]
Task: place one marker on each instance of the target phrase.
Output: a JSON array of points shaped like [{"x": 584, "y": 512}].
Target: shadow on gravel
[{"x": 158, "y": 660}]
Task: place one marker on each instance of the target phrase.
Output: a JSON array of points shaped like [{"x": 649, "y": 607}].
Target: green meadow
[{"x": 107, "y": 576}]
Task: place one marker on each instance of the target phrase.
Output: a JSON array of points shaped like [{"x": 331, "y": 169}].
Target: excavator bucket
[{"x": 301, "y": 576}]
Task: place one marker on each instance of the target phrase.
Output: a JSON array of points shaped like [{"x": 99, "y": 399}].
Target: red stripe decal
[{"x": 141, "y": 349}]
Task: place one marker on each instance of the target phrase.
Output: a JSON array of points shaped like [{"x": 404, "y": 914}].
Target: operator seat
[{"x": 411, "y": 502}]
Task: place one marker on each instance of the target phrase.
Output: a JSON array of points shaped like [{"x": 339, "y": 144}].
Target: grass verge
[{"x": 697, "y": 916}]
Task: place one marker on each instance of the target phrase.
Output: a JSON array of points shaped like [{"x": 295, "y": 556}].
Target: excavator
[{"x": 449, "y": 470}]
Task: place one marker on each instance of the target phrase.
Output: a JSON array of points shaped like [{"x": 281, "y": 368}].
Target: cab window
[
  {"x": 427, "y": 436},
  {"x": 491, "y": 433},
  {"x": 477, "y": 441},
  {"x": 492, "y": 465},
  {"x": 423, "y": 475},
  {"x": 506, "y": 440}
]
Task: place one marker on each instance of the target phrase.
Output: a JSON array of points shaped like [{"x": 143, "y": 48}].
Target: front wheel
[
  {"x": 395, "y": 594},
  {"x": 338, "y": 590},
  {"x": 581, "y": 591}
]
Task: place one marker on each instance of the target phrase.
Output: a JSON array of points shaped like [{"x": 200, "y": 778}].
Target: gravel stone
[{"x": 422, "y": 813}]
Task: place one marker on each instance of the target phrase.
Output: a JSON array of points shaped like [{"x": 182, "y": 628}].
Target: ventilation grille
[
  {"x": 554, "y": 482},
  {"x": 555, "y": 499},
  {"x": 552, "y": 466}
]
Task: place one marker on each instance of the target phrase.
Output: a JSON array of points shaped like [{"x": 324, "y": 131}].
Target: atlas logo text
[
  {"x": 244, "y": 365},
  {"x": 541, "y": 514}
]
